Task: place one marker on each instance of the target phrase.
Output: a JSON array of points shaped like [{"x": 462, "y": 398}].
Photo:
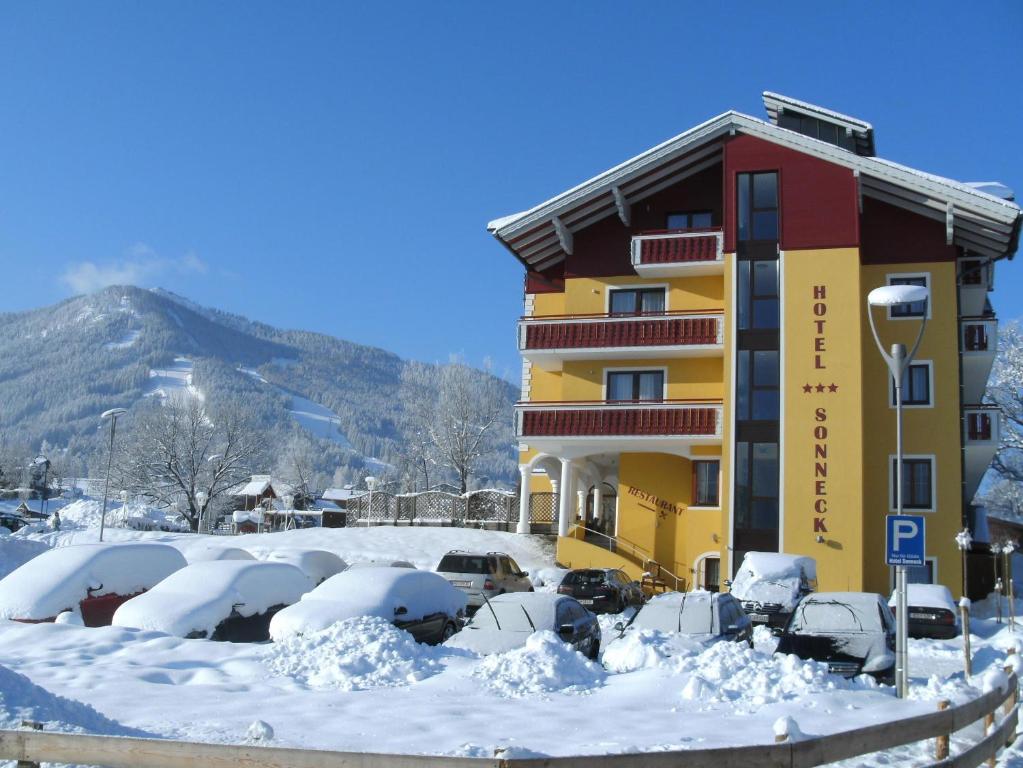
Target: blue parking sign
[{"x": 905, "y": 540}]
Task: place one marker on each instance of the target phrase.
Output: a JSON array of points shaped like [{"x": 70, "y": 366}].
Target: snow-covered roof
[
  {"x": 342, "y": 494},
  {"x": 256, "y": 486},
  {"x": 541, "y": 236},
  {"x": 369, "y": 592},
  {"x": 197, "y": 598},
  {"x": 59, "y": 579}
]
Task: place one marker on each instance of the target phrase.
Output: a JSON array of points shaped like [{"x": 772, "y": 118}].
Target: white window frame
[
  {"x": 634, "y": 369},
  {"x": 700, "y": 572},
  {"x": 637, "y": 287},
  {"x": 717, "y": 506},
  {"x": 934, "y": 572},
  {"x": 934, "y": 482},
  {"x": 927, "y": 284},
  {"x": 930, "y": 385}
]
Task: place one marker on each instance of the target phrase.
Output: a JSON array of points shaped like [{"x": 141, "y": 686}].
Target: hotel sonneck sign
[{"x": 816, "y": 392}]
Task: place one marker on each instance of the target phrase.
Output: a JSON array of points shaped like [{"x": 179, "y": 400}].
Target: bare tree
[
  {"x": 418, "y": 396},
  {"x": 178, "y": 452},
  {"x": 1004, "y": 390},
  {"x": 297, "y": 468},
  {"x": 470, "y": 407}
]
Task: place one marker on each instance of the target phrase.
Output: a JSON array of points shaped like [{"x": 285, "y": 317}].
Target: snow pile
[
  {"x": 547, "y": 579},
  {"x": 21, "y": 699},
  {"x": 648, "y": 649},
  {"x": 354, "y": 654},
  {"x": 87, "y": 513},
  {"x": 543, "y": 665},
  {"x": 59, "y": 579},
  {"x": 15, "y": 552}
]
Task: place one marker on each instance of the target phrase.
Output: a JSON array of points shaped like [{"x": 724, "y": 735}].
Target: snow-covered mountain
[{"x": 61, "y": 366}]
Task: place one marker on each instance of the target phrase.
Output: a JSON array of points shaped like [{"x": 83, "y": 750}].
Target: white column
[
  {"x": 598, "y": 502},
  {"x": 580, "y": 507},
  {"x": 565, "y": 498},
  {"x": 525, "y": 473}
]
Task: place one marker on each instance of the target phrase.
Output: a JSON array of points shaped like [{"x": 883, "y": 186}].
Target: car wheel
[
  {"x": 449, "y": 631},
  {"x": 531, "y": 589}
]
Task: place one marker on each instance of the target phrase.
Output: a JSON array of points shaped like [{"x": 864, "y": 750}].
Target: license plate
[
  {"x": 759, "y": 617},
  {"x": 922, "y": 616},
  {"x": 461, "y": 583},
  {"x": 586, "y": 602}
]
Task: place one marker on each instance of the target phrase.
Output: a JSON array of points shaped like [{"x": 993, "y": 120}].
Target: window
[
  {"x": 689, "y": 220},
  {"x": 711, "y": 573},
  {"x": 705, "y": 483},
  {"x": 916, "y": 385},
  {"x": 758, "y": 206},
  {"x": 921, "y": 574},
  {"x": 917, "y": 483},
  {"x": 917, "y": 308},
  {"x": 756, "y": 481},
  {"x": 971, "y": 272},
  {"x": 757, "y": 394},
  {"x": 637, "y": 301},
  {"x": 975, "y": 338},
  {"x": 635, "y": 385},
  {"x": 758, "y": 294},
  {"x": 817, "y": 129}
]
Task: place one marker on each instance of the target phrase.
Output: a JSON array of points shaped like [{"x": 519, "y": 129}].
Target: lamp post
[
  {"x": 371, "y": 483},
  {"x": 200, "y": 499},
  {"x": 42, "y": 461},
  {"x": 112, "y": 414},
  {"x": 898, "y": 360},
  {"x": 1008, "y": 547},
  {"x": 996, "y": 550},
  {"x": 963, "y": 541}
]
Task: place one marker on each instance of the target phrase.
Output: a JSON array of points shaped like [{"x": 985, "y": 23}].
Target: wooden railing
[{"x": 33, "y": 747}]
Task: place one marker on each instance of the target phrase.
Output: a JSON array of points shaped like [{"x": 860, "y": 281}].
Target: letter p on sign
[{"x": 905, "y": 542}]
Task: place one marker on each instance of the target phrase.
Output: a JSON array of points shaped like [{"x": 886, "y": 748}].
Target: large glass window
[
  {"x": 758, "y": 294},
  {"x": 757, "y": 385},
  {"x": 689, "y": 220},
  {"x": 635, "y": 385},
  {"x": 916, "y": 385},
  {"x": 758, "y": 206},
  {"x": 917, "y": 483},
  {"x": 637, "y": 301},
  {"x": 917, "y": 308},
  {"x": 705, "y": 483},
  {"x": 756, "y": 485}
]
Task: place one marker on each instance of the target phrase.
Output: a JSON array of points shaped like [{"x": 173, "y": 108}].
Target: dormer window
[
  {"x": 818, "y": 129},
  {"x": 689, "y": 220}
]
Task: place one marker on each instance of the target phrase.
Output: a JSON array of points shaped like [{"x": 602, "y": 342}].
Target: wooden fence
[
  {"x": 31, "y": 747},
  {"x": 484, "y": 507}
]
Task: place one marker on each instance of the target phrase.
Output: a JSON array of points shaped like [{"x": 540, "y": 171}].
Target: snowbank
[
  {"x": 543, "y": 665},
  {"x": 354, "y": 654},
  {"x": 15, "y": 552},
  {"x": 376, "y": 592},
  {"x": 194, "y": 600},
  {"x": 59, "y": 579},
  {"x": 647, "y": 649},
  {"x": 87, "y": 513}
]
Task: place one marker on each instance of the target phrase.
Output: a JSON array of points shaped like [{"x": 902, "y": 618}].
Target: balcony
[
  {"x": 976, "y": 278},
  {"x": 979, "y": 340},
  {"x": 679, "y": 253},
  {"x": 666, "y": 426},
  {"x": 549, "y": 341},
  {"x": 980, "y": 443}
]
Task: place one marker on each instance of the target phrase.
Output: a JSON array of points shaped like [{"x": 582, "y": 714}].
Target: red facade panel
[
  {"x": 819, "y": 206},
  {"x": 652, "y": 332},
  {"x": 594, "y": 422},
  {"x": 893, "y": 235}
]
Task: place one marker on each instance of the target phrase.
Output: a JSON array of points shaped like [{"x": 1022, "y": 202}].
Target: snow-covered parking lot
[{"x": 345, "y": 688}]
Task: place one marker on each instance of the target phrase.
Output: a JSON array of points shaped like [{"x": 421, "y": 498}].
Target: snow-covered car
[
  {"x": 318, "y": 564},
  {"x": 90, "y": 580},
  {"x": 703, "y": 616},
  {"x": 507, "y": 621},
  {"x": 217, "y": 599},
  {"x": 602, "y": 590},
  {"x": 932, "y": 611},
  {"x": 420, "y": 602},
  {"x": 202, "y": 551},
  {"x": 770, "y": 584},
  {"x": 382, "y": 564},
  {"x": 854, "y": 632},
  {"x": 483, "y": 573}
]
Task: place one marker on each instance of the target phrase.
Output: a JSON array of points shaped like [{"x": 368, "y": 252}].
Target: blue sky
[{"x": 331, "y": 166}]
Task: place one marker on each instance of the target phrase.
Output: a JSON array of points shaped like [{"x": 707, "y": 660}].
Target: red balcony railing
[
  {"x": 608, "y": 331},
  {"x": 676, "y": 247},
  {"x": 666, "y": 418}
]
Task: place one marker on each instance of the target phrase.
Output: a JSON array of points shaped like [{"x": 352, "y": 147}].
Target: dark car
[
  {"x": 932, "y": 611},
  {"x": 853, "y": 632},
  {"x": 602, "y": 590}
]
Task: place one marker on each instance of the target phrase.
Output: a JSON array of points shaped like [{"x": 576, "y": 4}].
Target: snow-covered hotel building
[{"x": 699, "y": 379}]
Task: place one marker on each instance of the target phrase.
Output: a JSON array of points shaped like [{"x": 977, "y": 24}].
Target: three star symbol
[{"x": 808, "y": 388}]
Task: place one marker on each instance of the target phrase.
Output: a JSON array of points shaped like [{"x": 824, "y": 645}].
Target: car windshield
[
  {"x": 583, "y": 578},
  {"x": 464, "y": 564},
  {"x": 512, "y": 617},
  {"x": 816, "y": 615},
  {"x": 695, "y": 617}
]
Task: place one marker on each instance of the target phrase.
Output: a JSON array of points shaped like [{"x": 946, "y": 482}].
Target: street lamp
[
  {"x": 112, "y": 414},
  {"x": 898, "y": 361},
  {"x": 200, "y": 499},
  {"x": 42, "y": 461},
  {"x": 963, "y": 541},
  {"x": 996, "y": 551}
]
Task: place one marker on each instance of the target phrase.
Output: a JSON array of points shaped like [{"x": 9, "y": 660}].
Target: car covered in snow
[
  {"x": 420, "y": 602},
  {"x": 202, "y": 550},
  {"x": 853, "y": 632},
  {"x": 932, "y": 611},
  {"x": 318, "y": 564},
  {"x": 382, "y": 564},
  {"x": 89, "y": 580},
  {"x": 483, "y": 573},
  {"x": 602, "y": 590},
  {"x": 218, "y": 600},
  {"x": 700, "y": 615},
  {"x": 770, "y": 584},
  {"x": 508, "y": 620}
]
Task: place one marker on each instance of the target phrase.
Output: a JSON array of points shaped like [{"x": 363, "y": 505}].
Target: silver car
[{"x": 483, "y": 573}]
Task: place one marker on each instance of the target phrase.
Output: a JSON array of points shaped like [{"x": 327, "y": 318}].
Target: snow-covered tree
[
  {"x": 181, "y": 453},
  {"x": 418, "y": 454},
  {"x": 297, "y": 467}
]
